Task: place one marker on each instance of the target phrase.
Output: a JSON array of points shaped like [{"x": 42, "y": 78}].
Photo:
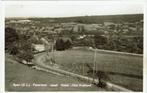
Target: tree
[
  {"x": 11, "y": 37},
  {"x": 63, "y": 43},
  {"x": 67, "y": 44},
  {"x": 60, "y": 45},
  {"x": 100, "y": 41},
  {"x": 13, "y": 50},
  {"x": 100, "y": 75},
  {"x": 25, "y": 49},
  {"x": 18, "y": 45}
]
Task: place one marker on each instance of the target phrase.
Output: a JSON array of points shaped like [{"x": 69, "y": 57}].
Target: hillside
[
  {"x": 16, "y": 73},
  {"x": 94, "y": 19}
]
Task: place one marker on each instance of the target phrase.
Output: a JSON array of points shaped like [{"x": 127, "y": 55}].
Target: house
[{"x": 39, "y": 47}]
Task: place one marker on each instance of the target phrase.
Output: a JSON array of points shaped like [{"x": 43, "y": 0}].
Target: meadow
[
  {"x": 17, "y": 73},
  {"x": 124, "y": 70}
]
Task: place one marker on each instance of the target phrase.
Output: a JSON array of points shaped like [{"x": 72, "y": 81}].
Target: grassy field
[
  {"x": 16, "y": 73},
  {"x": 123, "y": 70}
]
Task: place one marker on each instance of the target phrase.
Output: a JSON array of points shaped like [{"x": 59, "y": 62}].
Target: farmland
[{"x": 122, "y": 69}]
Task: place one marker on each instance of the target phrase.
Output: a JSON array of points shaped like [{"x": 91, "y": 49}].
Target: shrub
[
  {"x": 63, "y": 43},
  {"x": 25, "y": 56}
]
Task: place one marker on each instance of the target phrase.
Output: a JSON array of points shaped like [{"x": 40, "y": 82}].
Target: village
[
  {"x": 107, "y": 35},
  {"x": 99, "y": 54}
]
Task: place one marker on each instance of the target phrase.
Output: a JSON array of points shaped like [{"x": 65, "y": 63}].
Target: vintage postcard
[{"x": 74, "y": 46}]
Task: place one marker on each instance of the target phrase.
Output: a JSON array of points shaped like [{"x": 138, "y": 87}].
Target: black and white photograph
[{"x": 74, "y": 46}]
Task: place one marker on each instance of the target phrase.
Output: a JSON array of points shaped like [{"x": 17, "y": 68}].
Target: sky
[{"x": 70, "y": 8}]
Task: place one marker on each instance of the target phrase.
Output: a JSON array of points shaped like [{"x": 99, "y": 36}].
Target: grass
[
  {"x": 16, "y": 73},
  {"x": 123, "y": 70}
]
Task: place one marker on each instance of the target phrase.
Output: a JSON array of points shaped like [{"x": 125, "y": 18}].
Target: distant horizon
[{"x": 78, "y": 16}]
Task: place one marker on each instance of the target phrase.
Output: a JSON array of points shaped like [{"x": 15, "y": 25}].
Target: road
[
  {"x": 40, "y": 59},
  {"x": 17, "y": 73}
]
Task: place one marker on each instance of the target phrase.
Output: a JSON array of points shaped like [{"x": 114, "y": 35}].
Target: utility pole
[
  {"x": 94, "y": 64},
  {"x": 53, "y": 55}
]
